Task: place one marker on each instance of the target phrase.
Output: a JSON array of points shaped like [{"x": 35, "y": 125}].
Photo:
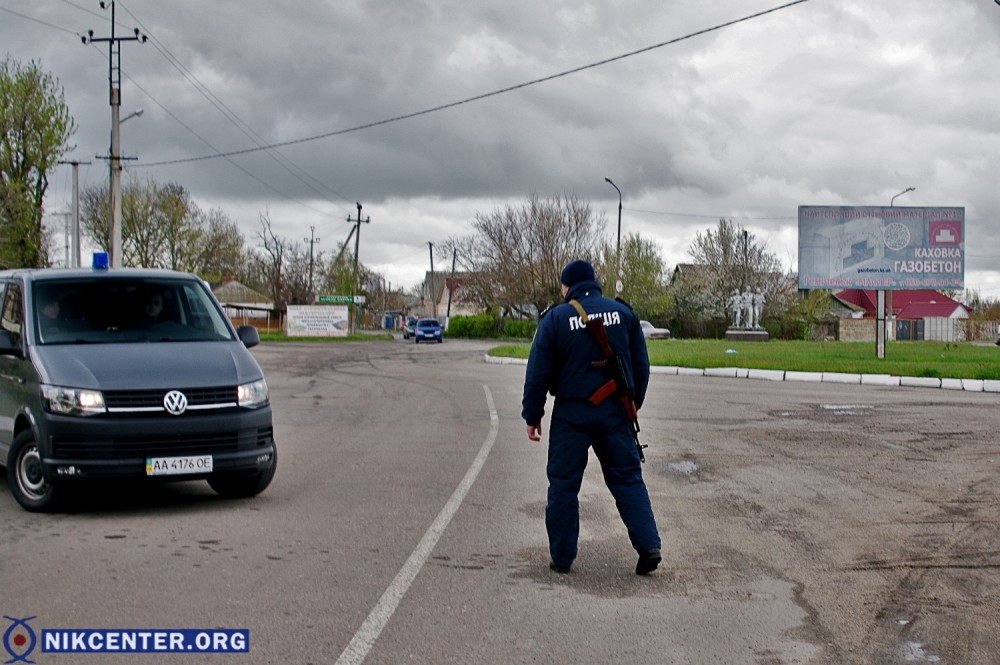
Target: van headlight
[
  {"x": 252, "y": 395},
  {"x": 72, "y": 401}
]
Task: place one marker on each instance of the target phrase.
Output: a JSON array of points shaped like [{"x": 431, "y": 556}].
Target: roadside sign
[{"x": 335, "y": 299}]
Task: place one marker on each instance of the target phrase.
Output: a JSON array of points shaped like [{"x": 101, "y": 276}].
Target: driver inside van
[
  {"x": 49, "y": 320},
  {"x": 152, "y": 310}
]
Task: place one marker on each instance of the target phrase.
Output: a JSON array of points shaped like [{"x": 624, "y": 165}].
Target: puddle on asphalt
[
  {"x": 848, "y": 409},
  {"x": 684, "y": 467},
  {"x": 913, "y": 652}
]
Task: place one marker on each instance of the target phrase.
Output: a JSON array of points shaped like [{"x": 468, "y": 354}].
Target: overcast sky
[{"x": 826, "y": 102}]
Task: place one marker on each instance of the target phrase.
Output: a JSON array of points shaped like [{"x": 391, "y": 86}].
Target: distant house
[
  {"x": 919, "y": 314},
  {"x": 244, "y": 305},
  {"x": 441, "y": 288}
]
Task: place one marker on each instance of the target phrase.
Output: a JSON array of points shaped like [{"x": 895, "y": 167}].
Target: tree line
[{"x": 510, "y": 260}]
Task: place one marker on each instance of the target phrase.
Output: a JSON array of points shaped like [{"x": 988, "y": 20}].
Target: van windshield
[{"x": 127, "y": 309}]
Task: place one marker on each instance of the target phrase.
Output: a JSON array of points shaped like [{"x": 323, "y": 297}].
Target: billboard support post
[{"x": 880, "y": 324}]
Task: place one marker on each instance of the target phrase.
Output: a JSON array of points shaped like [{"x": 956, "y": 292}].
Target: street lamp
[
  {"x": 909, "y": 189},
  {"x": 883, "y": 301},
  {"x": 618, "y": 249},
  {"x": 134, "y": 114}
]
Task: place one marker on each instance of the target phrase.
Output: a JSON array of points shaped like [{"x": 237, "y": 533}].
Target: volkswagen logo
[{"x": 175, "y": 402}]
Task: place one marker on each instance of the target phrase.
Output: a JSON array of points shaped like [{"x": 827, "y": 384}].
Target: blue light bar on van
[{"x": 100, "y": 261}]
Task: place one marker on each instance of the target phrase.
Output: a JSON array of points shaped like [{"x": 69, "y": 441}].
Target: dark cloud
[{"x": 841, "y": 103}]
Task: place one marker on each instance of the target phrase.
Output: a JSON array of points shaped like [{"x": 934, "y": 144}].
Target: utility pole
[
  {"x": 66, "y": 234},
  {"x": 431, "y": 289},
  {"x": 115, "y": 83},
  {"x": 75, "y": 251},
  {"x": 357, "y": 242},
  {"x": 311, "y": 240},
  {"x": 454, "y": 255}
]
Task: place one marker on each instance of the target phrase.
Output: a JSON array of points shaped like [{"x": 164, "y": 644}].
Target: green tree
[
  {"x": 163, "y": 228},
  {"x": 35, "y": 127},
  {"x": 644, "y": 276}
]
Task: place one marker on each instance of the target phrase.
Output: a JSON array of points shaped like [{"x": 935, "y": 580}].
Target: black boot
[
  {"x": 562, "y": 570},
  {"x": 648, "y": 561}
]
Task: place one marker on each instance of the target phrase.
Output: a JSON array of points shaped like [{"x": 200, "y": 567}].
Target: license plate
[{"x": 173, "y": 466}]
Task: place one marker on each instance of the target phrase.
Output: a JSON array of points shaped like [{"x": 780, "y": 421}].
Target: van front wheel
[
  {"x": 24, "y": 475},
  {"x": 244, "y": 485}
]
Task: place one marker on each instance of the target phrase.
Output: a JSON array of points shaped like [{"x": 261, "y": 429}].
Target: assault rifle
[{"x": 614, "y": 368}]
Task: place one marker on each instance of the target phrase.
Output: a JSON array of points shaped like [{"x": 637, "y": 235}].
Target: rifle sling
[
  {"x": 600, "y": 335},
  {"x": 596, "y": 329}
]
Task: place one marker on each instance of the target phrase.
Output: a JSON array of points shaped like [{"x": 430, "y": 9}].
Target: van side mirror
[
  {"x": 248, "y": 335},
  {"x": 7, "y": 346}
]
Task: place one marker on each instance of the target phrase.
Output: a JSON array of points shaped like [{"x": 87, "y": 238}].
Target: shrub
[
  {"x": 519, "y": 328},
  {"x": 487, "y": 326},
  {"x": 475, "y": 326}
]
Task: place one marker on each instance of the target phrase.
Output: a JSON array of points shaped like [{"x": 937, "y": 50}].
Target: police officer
[{"x": 559, "y": 363}]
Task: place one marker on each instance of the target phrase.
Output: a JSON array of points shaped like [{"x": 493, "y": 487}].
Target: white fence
[{"x": 970, "y": 330}]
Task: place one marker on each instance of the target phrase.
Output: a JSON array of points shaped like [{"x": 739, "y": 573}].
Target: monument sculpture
[
  {"x": 758, "y": 305},
  {"x": 745, "y": 311},
  {"x": 736, "y": 307}
]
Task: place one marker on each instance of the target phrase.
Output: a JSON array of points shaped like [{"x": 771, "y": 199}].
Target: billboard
[
  {"x": 316, "y": 321},
  {"x": 881, "y": 247}
]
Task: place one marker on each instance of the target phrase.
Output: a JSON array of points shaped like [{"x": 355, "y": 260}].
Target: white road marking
[{"x": 359, "y": 646}]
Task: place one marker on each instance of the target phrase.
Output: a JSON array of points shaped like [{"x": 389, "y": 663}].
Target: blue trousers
[{"x": 576, "y": 427}]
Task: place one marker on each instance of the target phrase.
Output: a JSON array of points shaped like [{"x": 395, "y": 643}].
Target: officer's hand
[{"x": 535, "y": 432}]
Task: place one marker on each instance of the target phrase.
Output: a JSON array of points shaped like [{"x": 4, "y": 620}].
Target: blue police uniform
[{"x": 559, "y": 363}]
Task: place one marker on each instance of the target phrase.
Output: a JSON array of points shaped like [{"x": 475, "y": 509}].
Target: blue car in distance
[{"x": 428, "y": 330}]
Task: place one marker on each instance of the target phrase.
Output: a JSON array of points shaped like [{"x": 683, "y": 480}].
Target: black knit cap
[{"x": 576, "y": 272}]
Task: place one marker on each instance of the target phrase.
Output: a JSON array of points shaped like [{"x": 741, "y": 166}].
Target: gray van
[{"x": 126, "y": 373}]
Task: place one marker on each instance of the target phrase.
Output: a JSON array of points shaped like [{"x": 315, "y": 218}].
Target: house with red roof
[{"x": 918, "y": 314}]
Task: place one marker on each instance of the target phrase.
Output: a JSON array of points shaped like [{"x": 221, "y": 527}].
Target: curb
[{"x": 968, "y": 385}]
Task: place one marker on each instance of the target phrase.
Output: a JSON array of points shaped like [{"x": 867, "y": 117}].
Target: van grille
[
  {"x": 126, "y": 400},
  {"x": 161, "y": 445}
]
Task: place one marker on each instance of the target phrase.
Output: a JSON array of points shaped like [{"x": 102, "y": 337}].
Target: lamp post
[
  {"x": 909, "y": 189},
  {"x": 618, "y": 248},
  {"x": 883, "y": 304}
]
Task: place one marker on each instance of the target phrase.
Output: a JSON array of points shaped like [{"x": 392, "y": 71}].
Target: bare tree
[
  {"x": 273, "y": 260},
  {"x": 516, "y": 253}
]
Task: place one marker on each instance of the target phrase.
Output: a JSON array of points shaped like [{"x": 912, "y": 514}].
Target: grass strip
[{"x": 925, "y": 359}]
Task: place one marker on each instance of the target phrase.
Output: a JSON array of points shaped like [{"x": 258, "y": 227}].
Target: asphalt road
[{"x": 802, "y": 523}]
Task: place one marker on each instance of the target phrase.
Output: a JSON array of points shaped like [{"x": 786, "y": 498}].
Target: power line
[
  {"x": 84, "y": 9},
  {"x": 476, "y": 98},
  {"x": 206, "y": 93},
  {"x": 35, "y": 20},
  {"x": 295, "y": 170},
  {"x": 668, "y": 213},
  {"x": 206, "y": 142}
]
